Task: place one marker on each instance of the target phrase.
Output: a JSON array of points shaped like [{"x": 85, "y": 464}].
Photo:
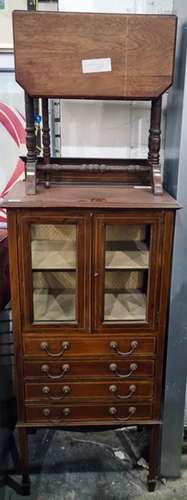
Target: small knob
[
  {"x": 44, "y": 368},
  {"x": 112, "y": 410},
  {"x": 66, "y": 367},
  {"x": 66, "y": 412},
  {"x": 45, "y": 389},
  {"x": 96, "y": 274},
  {"x": 133, "y": 367},
  {"x": 113, "y": 367},
  {"x": 44, "y": 346},
  {"x": 132, "y": 410},
  {"x": 134, "y": 344},
  {"x": 132, "y": 388},
  {"x": 46, "y": 412},
  {"x": 66, "y": 389},
  {"x": 66, "y": 345},
  {"x": 113, "y": 344},
  {"x": 113, "y": 388}
]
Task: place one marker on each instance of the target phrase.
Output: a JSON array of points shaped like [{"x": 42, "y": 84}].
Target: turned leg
[
  {"x": 154, "y": 146},
  {"x": 23, "y": 447},
  {"x": 31, "y": 146},
  {"x": 154, "y": 440}
]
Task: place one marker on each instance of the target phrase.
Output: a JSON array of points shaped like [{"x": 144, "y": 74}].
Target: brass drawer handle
[
  {"x": 114, "y": 368},
  {"x": 65, "y": 389},
  {"x": 113, "y": 389},
  {"x": 65, "y": 346},
  {"x": 45, "y": 370},
  {"x": 113, "y": 412},
  {"x": 133, "y": 345},
  {"x": 46, "y": 413}
]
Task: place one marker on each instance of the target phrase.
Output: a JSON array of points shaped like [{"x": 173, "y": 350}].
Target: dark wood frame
[
  {"x": 86, "y": 229},
  {"x": 154, "y": 220},
  {"x": 162, "y": 218},
  {"x": 132, "y": 172},
  {"x": 83, "y": 270}
]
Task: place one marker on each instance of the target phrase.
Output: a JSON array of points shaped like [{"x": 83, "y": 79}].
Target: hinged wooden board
[{"x": 94, "y": 55}]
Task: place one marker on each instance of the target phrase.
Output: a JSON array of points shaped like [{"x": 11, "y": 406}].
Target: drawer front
[
  {"x": 114, "y": 391},
  {"x": 120, "y": 370},
  {"x": 82, "y": 413},
  {"x": 120, "y": 347}
]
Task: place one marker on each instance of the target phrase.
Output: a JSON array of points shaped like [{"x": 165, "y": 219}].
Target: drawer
[
  {"x": 87, "y": 413},
  {"x": 114, "y": 391},
  {"x": 117, "y": 346},
  {"x": 121, "y": 369}
]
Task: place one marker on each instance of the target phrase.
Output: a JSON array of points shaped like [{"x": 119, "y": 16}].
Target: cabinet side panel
[
  {"x": 165, "y": 256},
  {"x": 16, "y": 312}
]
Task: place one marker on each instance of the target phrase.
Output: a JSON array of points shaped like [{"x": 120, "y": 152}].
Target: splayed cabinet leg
[
  {"x": 154, "y": 441},
  {"x": 23, "y": 448}
]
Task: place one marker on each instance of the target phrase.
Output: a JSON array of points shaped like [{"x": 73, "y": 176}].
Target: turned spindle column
[
  {"x": 154, "y": 146},
  {"x": 31, "y": 145},
  {"x": 46, "y": 135}
]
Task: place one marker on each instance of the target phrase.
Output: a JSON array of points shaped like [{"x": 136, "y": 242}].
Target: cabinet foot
[
  {"x": 26, "y": 486},
  {"x": 151, "y": 484},
  {"x": 23, "y": 448},
  {"x": 154, "y": 441}
]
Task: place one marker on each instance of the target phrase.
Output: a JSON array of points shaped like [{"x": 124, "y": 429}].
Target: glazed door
[
  {"x": 54, "y": 263},
  {"x": 127, "y": 270}
]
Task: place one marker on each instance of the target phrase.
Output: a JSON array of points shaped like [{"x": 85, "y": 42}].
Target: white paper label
[
  {"x": 96, "y": 65},
  {"x": 13, "y": 201}
]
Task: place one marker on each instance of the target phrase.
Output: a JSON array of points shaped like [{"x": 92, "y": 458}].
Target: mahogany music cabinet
[{"x": 90, "y": 241}]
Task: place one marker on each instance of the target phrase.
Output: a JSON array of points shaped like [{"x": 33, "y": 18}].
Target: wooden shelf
[
  {"x": 48, "y": 255},
  {"x": 54, "y": 269},
  {"x": 57, "y": 306},
  {"x": 125, "y": 306},
  {"x": 137, "y": 258}
]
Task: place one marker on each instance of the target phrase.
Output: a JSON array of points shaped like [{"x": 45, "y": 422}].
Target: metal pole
[{"x": 175, "y": 177}]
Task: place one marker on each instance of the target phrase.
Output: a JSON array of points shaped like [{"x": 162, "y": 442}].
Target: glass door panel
[
  {"x": 54, "y": 272},
  {"x": 126, "y": 272}
]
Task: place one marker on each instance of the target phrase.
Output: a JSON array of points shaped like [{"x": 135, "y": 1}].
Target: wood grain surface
[
  {"x": 88, "y": 369},
  {"x": 83, "y": 384},
  {"x": 86, "y": 413},
  {"x": 50, "y": 47},
  {"x": 113, "y": 391},
  {"x": 88, "y": 196},
  {"x": 87, "y": 346}
]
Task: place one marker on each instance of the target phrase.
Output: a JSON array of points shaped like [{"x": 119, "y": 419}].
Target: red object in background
[
  {"x": 14, "y": 123},
  {"x": 4, "y": 270}
]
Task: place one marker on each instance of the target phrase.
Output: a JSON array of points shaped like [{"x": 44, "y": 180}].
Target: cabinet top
[
  {"x": 87, "y": 196},
  {"x": 94, "y": 55}
]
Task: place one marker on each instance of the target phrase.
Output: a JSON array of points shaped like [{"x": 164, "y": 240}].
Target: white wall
[
  {"x": 108, "y": 129},
  {"x": 118, "y": 6},
  {"x": 6, "y": 37}
]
